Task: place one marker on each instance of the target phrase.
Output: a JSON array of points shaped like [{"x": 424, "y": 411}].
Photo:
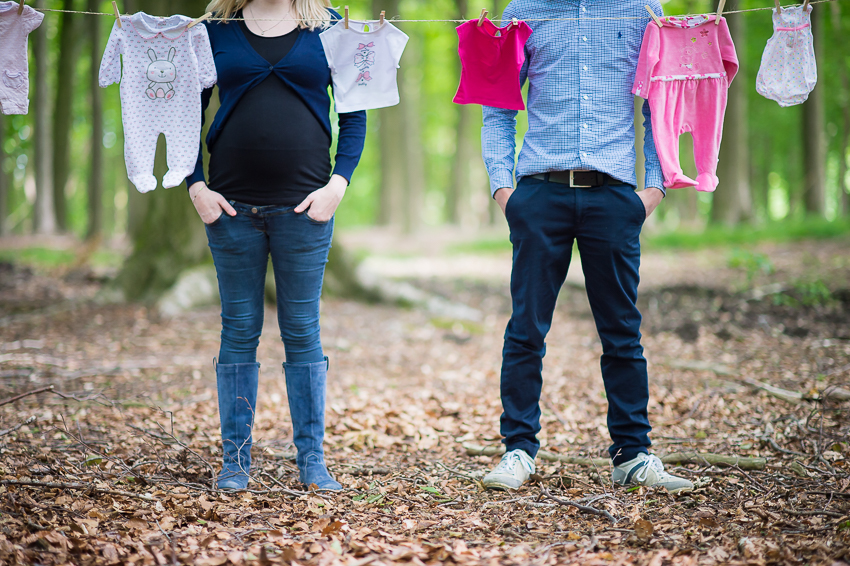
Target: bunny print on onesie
[{"x": 166, "y": 66}]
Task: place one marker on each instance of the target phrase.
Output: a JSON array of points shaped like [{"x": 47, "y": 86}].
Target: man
[{"x": 576, "y": 182}]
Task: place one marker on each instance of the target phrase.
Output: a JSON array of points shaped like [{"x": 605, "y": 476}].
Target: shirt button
[
  {"x": 584, "y": 38},
  {"x": 254, "y": 210},
  {"x": 271, "y": 67},
  {"x": 584, "y": 154},
  {"x": 583, "y": 9},
  {"x": 584, "y": 97},
  {"x": 584, "y": 126},
  {"x": 585, "y": 67}
]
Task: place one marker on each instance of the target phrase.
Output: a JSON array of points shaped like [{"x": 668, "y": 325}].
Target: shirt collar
[
  {"x": 687, "y": 22},
  {"x": 149, "y": 26}
]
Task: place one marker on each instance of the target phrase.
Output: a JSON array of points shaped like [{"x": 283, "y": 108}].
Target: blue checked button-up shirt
[{"x": 580, "y": 106}]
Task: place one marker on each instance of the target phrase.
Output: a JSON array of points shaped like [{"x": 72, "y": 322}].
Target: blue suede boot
[
  {"x": 305, "y": 388},
  {"x": 237, "y": 404}
]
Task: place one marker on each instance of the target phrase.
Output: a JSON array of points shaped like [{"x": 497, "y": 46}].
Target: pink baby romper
[
  {"x": 684, "y": 71},
  {"x": 491, "y": 59}
]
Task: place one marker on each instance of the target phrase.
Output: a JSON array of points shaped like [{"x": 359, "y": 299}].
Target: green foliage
[
  {"x": 53, "y": 258},
  {"x": 719, "y": 236},
  {"x": 807, "y": 294},
  {"x": 752, "y": 263}
]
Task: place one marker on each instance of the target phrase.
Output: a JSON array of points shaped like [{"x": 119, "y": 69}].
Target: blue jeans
[
  {"x": 240, "y": 247},
  {"x": 545, "y": 219}
]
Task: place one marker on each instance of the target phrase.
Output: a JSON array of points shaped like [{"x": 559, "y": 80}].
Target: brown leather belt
[{"x": 577, "y": 179}]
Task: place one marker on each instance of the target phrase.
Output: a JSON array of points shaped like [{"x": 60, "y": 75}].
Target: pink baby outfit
[
  {"x": 14, "y": 68},
  {"x": 491, "y": 59},
  {"x": 166, "y": 66},
  {"x": 684, "y": 71}
]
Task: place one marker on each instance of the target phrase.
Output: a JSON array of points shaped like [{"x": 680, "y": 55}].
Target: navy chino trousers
[{"x": 545, "y": 219}]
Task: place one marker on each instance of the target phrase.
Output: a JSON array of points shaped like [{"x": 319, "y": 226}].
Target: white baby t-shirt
[
  {"x": 166, "y": 66},
  {"x": 364, "y": 64}
]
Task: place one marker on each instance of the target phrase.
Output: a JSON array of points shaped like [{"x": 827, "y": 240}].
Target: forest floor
[{"x": 115, "y": 465}]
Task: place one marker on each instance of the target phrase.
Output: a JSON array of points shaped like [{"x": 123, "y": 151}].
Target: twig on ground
[
  {"x": 27, "y": 394},
  {"x": 16, "y": 427},
  {"x": 79, "y": 486},
  {"x": 582, "y": 508},
  {"x": 817, "y": 512}
]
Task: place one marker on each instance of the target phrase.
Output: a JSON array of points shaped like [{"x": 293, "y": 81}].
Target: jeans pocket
[
  {"x": 641, "y": 207},
  {"x": 217, "y": 220},
  {"x": 313, "y": 221}
]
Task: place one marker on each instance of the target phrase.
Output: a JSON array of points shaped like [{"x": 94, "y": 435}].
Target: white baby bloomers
[
  {"x": 166, "y": 66},
  {"x": 364, "y": 64},
  {"x": 788, "y": 71},
  {"x": 14, "y": 67}
]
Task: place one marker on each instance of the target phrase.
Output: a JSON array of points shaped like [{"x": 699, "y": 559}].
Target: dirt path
[{"x": 405, "y": 392}]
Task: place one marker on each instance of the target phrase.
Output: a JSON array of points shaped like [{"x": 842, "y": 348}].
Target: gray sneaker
[
  {"x": 647, "y": 470},
  {"x": 513, "y": 471}
]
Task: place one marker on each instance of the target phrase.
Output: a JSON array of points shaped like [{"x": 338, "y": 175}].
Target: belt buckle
[{"x": 573, "y": 185}]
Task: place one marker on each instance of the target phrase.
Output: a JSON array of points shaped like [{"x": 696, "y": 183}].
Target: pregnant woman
[{"x": 272, "y": 191}]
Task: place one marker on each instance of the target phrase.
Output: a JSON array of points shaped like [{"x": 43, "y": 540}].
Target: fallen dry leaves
[{"x": 135, "y": 436}]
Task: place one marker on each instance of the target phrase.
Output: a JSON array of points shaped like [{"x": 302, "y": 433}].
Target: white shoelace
[
  {"x": 510, "y": 460},
  {"x": 654, "y": 462}
]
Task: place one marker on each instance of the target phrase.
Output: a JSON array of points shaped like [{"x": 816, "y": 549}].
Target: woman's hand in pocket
[
  {"x": 209, "y": 204},
  {"x": 321, "y": 204},
  {"x": 651, "y": 198}
]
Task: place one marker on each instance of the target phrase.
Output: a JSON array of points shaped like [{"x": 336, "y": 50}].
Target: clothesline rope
[{"x": 460, "y": 21}]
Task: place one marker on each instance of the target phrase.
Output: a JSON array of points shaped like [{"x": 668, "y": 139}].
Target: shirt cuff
[
  {"x": 500, "y": 180},
  {"x": 655, "y": 179}
]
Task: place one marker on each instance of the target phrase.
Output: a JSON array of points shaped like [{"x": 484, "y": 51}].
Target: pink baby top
[
  {"x": 491, "y": 59},
  {"x": 14, "y": 69},
  {"x": 684, "y": 71}
]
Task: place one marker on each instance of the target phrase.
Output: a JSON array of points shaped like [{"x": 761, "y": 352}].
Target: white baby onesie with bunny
[
  {"x": 166, "y": 66},
  {"x": 364, "y": 64},
  {"x": 788, "y": 71}
]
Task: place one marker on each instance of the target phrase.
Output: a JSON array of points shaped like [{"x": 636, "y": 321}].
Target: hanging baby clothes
[
  {"x": 491, "y": 59},
  {"x": 684, "y": 71},
  {"x": 14, "y": 69},
  {"x": 364, "y": 64},
  {"x": 788, "y": 71},
  {"x": 166, "y": 66}
]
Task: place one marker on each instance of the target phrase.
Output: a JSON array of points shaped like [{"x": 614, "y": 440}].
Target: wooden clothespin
[
  {"x": 384, "y": 15},
  {"x": 720, "y": 6},
  {"x": 483, "y": 15},
  {"x": 117, "y": 13},
  {"x": 806, "y": 4},
  {"x": 778, "y": 5},
  {"x": 346, "y": 17},
  {"x": 193, "y": 23},
  {"x": 20, "y": 7},
  {"x": 654, "y": 17}
]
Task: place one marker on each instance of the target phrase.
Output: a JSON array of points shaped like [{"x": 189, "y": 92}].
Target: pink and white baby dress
[
  {"x": 491, "y": 59},
  {"x": 166, "y": 66},
  {"x": 364, "y": 64},
  {"x": 788, "y": 72},
  {"x": 684, "y": 71},
  {"x": 14, "y": 68}
]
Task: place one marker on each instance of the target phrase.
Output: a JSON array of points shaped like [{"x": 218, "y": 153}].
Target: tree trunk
[
  {"x": 4, "y": 179},
  {"x": 62, "y": 113},
  {"x": 732, "y": 202},
  {"x": 411, "y": 85},
  {"x": 814, "y": 140},
  {"x": 45, "y": 220},
  {"x": 391, "y": 132},
  {"x": 844, "y": 102},
  {"x": 95, "y": 185}
]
